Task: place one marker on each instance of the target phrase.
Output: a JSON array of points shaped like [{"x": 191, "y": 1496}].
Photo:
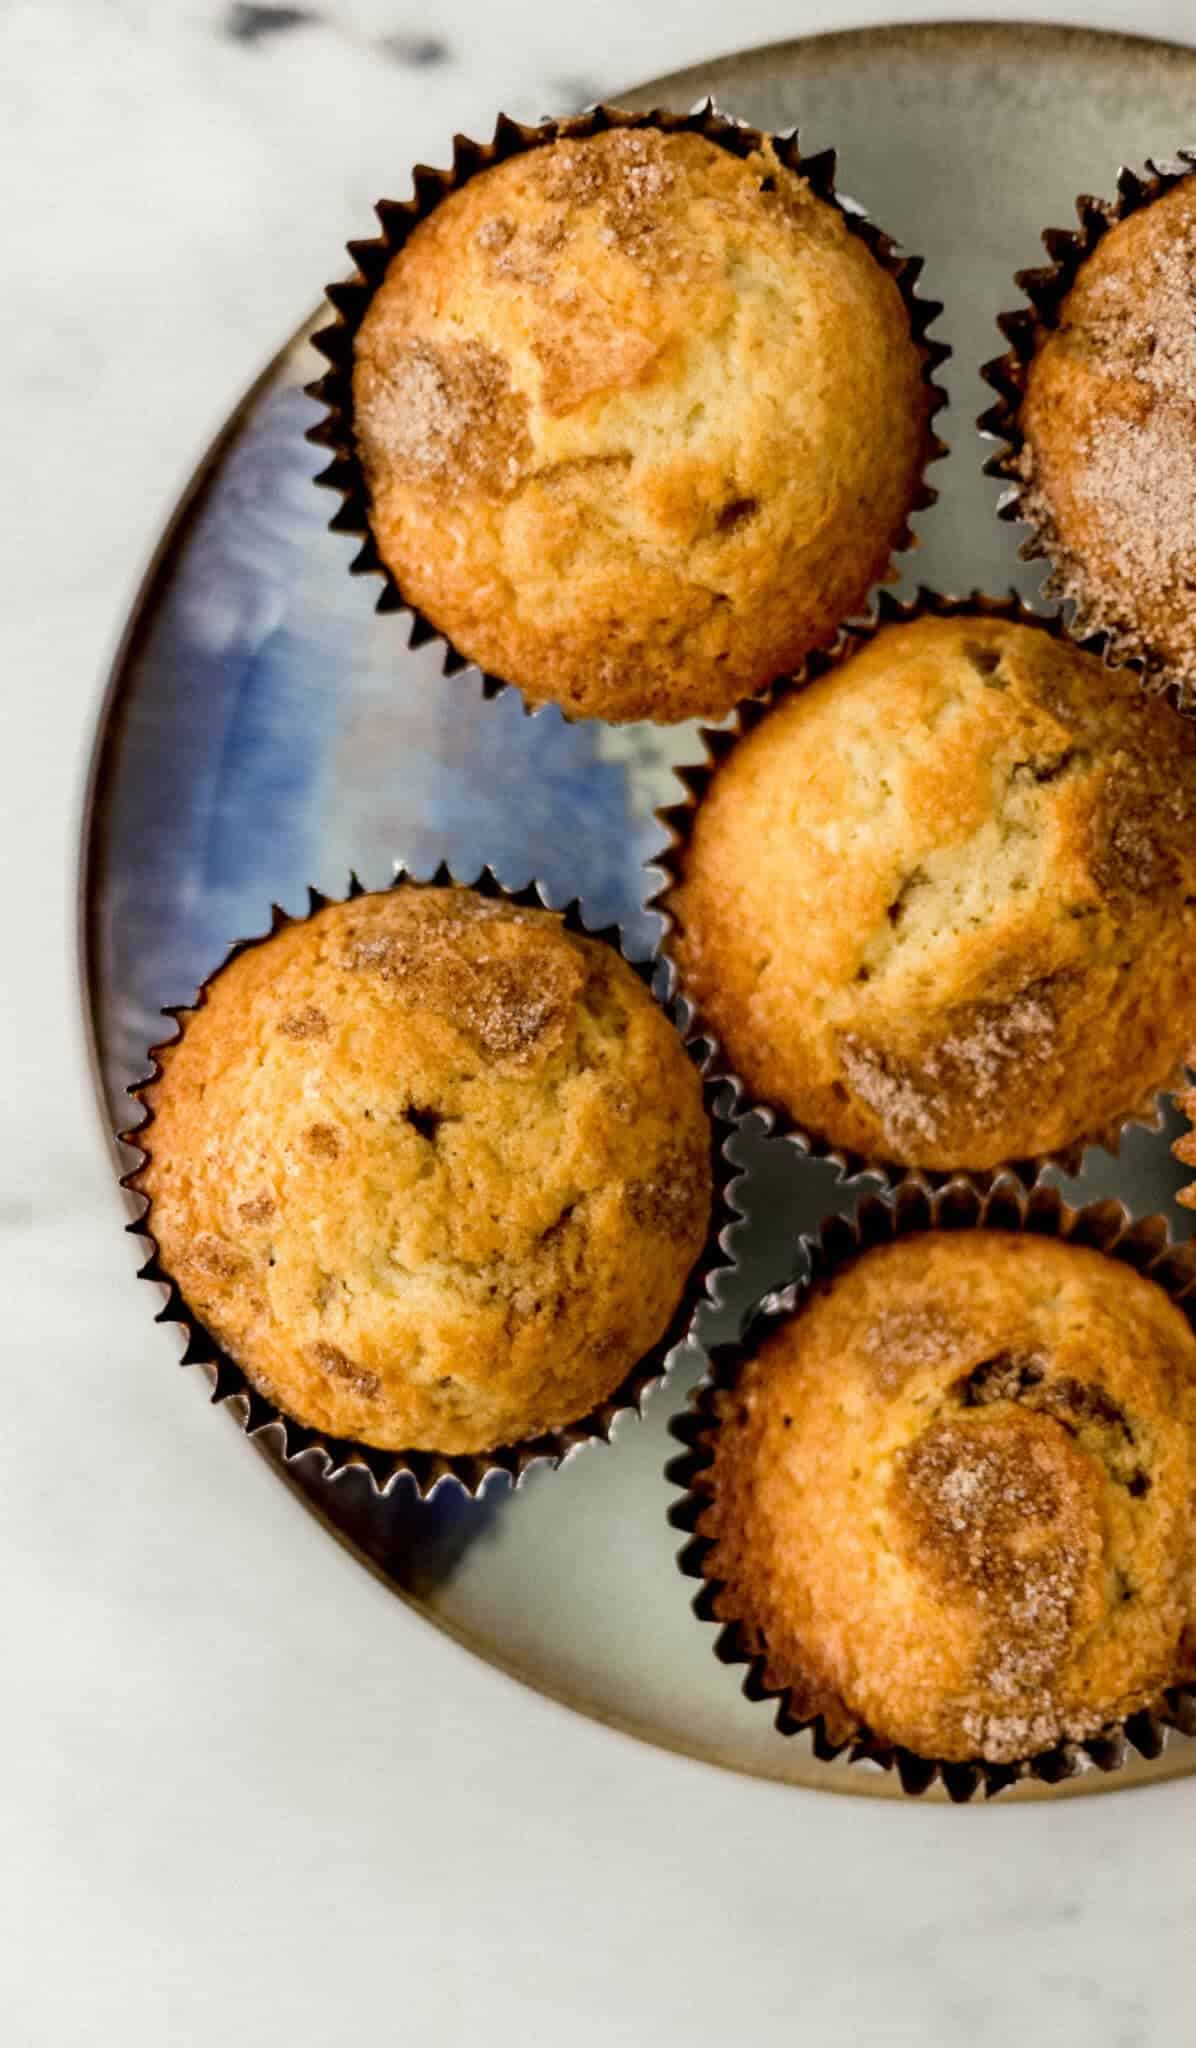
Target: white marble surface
[{"x": 248, "y": 1797}]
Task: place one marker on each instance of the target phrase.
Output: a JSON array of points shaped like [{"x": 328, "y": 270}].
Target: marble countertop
[{"x": 250, "y": 1797}]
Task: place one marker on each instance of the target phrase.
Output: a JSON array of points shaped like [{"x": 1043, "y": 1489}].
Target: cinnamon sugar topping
[
  {"x": 1109, "y": 460},
  {"x": 625, "y": 173},
  {"x": 902, "y": 1340},
  {"x": 969, "y": 1489},
  {"x": 989, "y": 1514},
  {"x": 1144, "y": 469},
  {"x": 1149, "y": 335},
  {"x": 987, "y": 1051},
  {"x": 307, "y": 1022},
  {"x": 512, "y": 993},
  {"x": 669, "y": 1201},
  {"x": 494, "y": 234},
  {"x": 443, "y": 411}
]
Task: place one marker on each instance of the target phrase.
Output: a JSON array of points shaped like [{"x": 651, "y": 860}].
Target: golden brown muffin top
[
  {"x": 641, "y": 421},
  {"x": 940, "y": 905},
  {"x": 431, "y": 1168},
  {"x": 1109, "y": 419},
  {"x": 952, "y": 1498}
]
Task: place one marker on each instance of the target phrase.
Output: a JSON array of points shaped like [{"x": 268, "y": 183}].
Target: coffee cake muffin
[
  {"x": 940, "y": 906},
  {"x": 431, "y": 1168},
  {"x": 641, "y": 420},
  {"x": 950, "y": 1499},
  {"x": 1108, "y": 426}
]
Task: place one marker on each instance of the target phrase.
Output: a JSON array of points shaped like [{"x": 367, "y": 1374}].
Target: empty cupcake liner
[
  {"x": 678, "y": 819},
  {"x": 295, "y": 1440},
  {"x": 1046, "y": 287},
  {"x": 1107, "y": 1226},
  {"x": 397, "y": 218}
]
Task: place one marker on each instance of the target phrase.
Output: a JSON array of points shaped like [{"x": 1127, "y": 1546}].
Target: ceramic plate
[{"x": 264, "y": 730}]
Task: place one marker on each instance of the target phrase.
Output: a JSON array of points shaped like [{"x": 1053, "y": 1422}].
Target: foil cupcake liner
[
  {"x": 717, "y": 742},
  {"x": 1046, "y": 287},
  {"x": 1107, "y": 1226},
  {"x": 428, "y": 1469},
  {"x": 350, "y": 300}
]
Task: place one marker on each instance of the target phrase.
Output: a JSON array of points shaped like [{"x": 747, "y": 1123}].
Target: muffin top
[
  {"x": 1109, "y": 425},
  {"x": 641, "y": 421},
  {"x": 940, "y": 905},
  {"x": 432, "y": 1169},
  {"x": 951, "y": 1498}
]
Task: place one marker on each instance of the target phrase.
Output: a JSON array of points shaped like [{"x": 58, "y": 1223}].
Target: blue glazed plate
[{"x": 265, "y": 730}]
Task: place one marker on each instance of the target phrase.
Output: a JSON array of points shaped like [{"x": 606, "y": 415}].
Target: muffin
[
  {"x": 940, "y": 906},
  {"x": 949, "y": 1502},
  {"x": 1107, "y": 463},
  {"x": 432, "y": 1169},
  {"x": 641, "y": 419}
]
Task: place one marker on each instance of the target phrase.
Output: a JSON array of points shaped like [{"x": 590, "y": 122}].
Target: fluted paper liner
[
  {"x": 1145, "y": 1244},
  {"x": 428, "y": 1468},
  {"x": 1046, "y": 287},
  {"x": 718, "y": 741},
  {"x": 397, "y": 218},
  {"x": 1184, "y": 1149}
]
